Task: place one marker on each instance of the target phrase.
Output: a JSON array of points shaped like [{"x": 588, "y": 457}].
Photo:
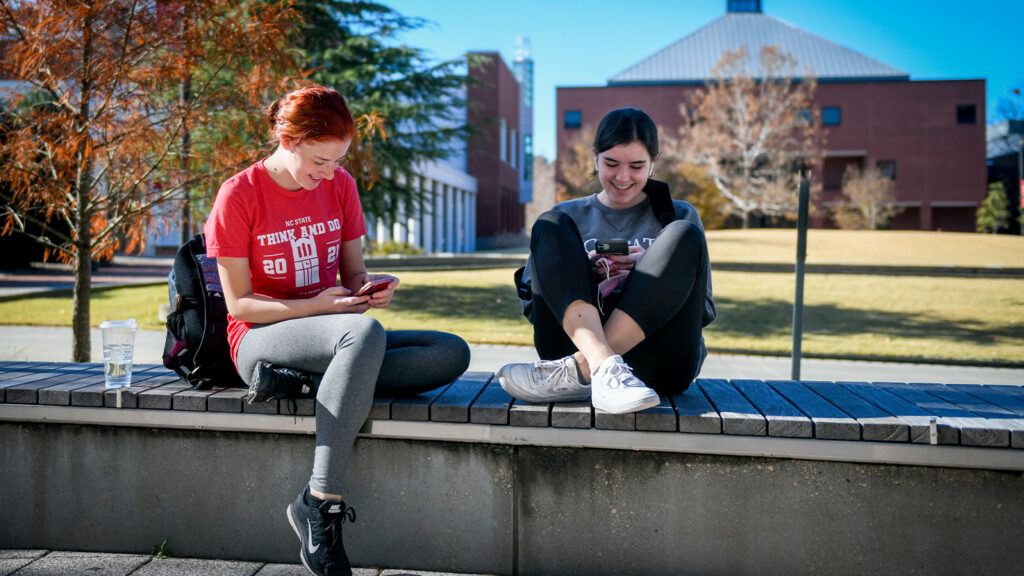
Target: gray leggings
[{"x": 356, "y": 357}]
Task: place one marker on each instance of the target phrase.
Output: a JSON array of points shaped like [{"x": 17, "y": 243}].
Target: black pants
[{"x": 665, "y": 294}]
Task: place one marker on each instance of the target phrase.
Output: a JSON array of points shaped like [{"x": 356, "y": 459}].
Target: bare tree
[
  {"x": 752, "y": 133},
  {"x": 575, "y": 174},
  {"x": 690, "y": 182},
  {"x": 870, "y": 200},
  {"x": 91, "y": 141}
]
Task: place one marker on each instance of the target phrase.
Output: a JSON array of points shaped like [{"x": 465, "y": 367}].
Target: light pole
[{"x": 801, "y": 256}]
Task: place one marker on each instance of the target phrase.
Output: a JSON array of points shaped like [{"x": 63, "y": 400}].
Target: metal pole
[
  {"x": 1020, "y": 180},
  {"x": 801, "y": 256}
]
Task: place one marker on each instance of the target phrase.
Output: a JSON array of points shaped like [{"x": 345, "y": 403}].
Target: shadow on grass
[{"x": 773, "y": 318}]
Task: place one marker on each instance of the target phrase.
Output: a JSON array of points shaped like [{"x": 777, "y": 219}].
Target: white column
[
  {"x": 427, "y": 214},
  {"x": 460, "y": 221},
  {"x": 412, "y": 212},
  {"x": 449, "y": 218},
  {"x": 438, "y": 217}
]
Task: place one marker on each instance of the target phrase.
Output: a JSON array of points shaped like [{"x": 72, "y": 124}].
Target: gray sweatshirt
[{"x": 638, "y": 225}]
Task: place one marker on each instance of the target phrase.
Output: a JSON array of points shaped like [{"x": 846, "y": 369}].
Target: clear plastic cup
[{"x": 118, "y": 351}]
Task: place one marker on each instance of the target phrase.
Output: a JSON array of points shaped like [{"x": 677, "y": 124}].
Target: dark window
[
  {"x": 966, "y": 114},
  {"x": 573, "y": 118},
  {"x": 744, "y": 6},
  {"x": 806, "y": 115},
  {"x": 832, "y": 116},
  {"x": 887, "y": 168}
]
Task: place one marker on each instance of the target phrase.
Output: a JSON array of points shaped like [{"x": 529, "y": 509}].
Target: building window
[
  {"x": 513, "y": 146},
  {"x": 832, "y": 116},
  {"x": 573, "y": 118},
  {"x": 527, "y": 157},
  {"x": 503, "y": 141},
  {"x": 966, "y": 114},
  {"x": 887, "y": 168},
  {"x": 744, "y": 6}
]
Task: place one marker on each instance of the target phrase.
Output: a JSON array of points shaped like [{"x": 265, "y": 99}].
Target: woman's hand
[
  {"x": 615, "y": 262},
  {"x": 383, "y": 298},
  {"x": 339, "y": 300}
]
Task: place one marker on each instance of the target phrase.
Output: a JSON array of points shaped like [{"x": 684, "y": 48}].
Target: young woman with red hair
[{"x": 283, "y": 231}]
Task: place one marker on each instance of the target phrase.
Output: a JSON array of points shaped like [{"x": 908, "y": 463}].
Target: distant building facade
[
  {"x": 929, "y": 136},
  {"x": 494, "y": 152}
]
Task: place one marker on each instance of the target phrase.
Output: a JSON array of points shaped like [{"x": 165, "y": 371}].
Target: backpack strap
[{"x": 661, "y": 201}]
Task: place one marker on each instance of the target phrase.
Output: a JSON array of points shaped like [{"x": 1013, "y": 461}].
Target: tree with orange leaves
[
  {"x": 750, "y": 127},
  {"x": 92, "y": 137}
]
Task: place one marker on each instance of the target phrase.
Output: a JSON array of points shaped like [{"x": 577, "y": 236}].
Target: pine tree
[
  {"x": 353, "y": 47},
  {"x": 994, "y": 213}
]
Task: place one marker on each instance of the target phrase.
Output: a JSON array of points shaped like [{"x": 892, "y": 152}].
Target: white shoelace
[
  {"x": 628, "y": 381},
  {"x": 554, "y": 373}
]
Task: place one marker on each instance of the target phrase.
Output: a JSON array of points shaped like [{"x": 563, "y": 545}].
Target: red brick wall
[
  {"x": 911, "y": 122},
  {"x": 497, "y": 97}
]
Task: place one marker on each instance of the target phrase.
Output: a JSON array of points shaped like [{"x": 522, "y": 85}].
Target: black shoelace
[{"x": 332, "y": 528}]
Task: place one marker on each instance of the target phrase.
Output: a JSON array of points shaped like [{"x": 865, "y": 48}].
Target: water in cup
[{"x": 118, "y": 350}]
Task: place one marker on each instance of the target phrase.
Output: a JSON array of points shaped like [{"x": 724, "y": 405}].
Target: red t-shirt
[{"x": 292, "y": 238}]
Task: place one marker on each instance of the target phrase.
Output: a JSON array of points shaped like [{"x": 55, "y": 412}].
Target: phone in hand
[
  {"x": 373, "y": 286},
  {"x": 615, "y": 246}
]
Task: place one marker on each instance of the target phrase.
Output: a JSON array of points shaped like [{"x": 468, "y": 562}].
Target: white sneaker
[
  {"x": 618, "y": 391},
  {"x": 544, "y": 381}
]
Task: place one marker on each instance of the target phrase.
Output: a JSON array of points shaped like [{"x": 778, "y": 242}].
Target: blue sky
[{"x": 583, "y": 43}]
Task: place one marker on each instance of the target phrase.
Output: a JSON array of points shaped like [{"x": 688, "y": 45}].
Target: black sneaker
[
  {"x": 270, "y": 382},
  {"x": 319, "y": 532}
]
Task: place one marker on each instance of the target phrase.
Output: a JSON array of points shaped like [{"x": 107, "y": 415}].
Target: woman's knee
[
  {"x": 551, "y": 222},
  {"x": 362, "y": 331}
]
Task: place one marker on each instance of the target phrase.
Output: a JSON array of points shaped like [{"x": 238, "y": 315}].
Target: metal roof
[{"x": 692, "y": 58}]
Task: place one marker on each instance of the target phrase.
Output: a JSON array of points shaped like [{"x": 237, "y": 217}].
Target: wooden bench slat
[
  {"x": 738, "y": 415},
  {"x": 60, "y": 394},
  {"x": 918, "y": 419},
  {"x": 995, "y": 426},
  {"x": 526, "y": 414},
  {"x": 876, "y": 424},
  {"x": 608, "y": 421},
  {"x": 160, "y": 398},
  {"x": 453, "y": 405},
  {"x": 28, "y": 393},
  {"x": 661, "y": 418},
  {"x": 130, "y": 394},
  {"x": 784, "y": 420},
  {"x": 572, "y": 414},
  {"x": 829, "y": 422},
  {"x": 227, "y": 400},
  {"x": 491, "y": 406},
  {"x": 973, "y": 430},
  {"x": 695, "y": 413},
  {"x": 992, "y": 395},
  {"x": 416, "y": 408}
]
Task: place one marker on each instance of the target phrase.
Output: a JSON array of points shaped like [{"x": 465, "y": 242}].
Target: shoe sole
[
  {"x": 302, "y": 550},
  {"x": 637, "y": 406},
  {"x": 518, "y": 395}
]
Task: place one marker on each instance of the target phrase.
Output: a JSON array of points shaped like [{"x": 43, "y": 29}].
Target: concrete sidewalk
[
  {"x": 49, "y": 344},
  {"x": 46, "y": 563}
]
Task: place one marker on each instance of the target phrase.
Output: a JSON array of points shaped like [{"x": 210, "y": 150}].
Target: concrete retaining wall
[{"x": 474, "y": 507}]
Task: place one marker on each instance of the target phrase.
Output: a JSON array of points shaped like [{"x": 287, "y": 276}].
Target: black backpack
[{"x": 197, "y": 327}]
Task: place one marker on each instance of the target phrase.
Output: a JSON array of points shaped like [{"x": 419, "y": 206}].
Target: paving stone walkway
[{"x": 47, "y": 563}]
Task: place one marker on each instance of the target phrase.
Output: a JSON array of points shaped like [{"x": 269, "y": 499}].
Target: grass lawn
[
  {"x": 937, "y": 319},
  {"x": 909, "y": 248}
]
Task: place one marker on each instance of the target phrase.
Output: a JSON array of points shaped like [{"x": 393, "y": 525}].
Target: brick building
[
  {"x": 929, "y": 135},
  {"x": 495, "y": 153}
]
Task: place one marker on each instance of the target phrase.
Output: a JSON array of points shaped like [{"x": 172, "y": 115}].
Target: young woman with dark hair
[
  {"x": 617, "y": 329},
  {"x": 283, "y": 231}
]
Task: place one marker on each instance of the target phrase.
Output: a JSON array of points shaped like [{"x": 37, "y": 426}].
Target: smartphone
[
  {"x": 373, "y": 286},
  {"x": 616, "y": 246}
]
